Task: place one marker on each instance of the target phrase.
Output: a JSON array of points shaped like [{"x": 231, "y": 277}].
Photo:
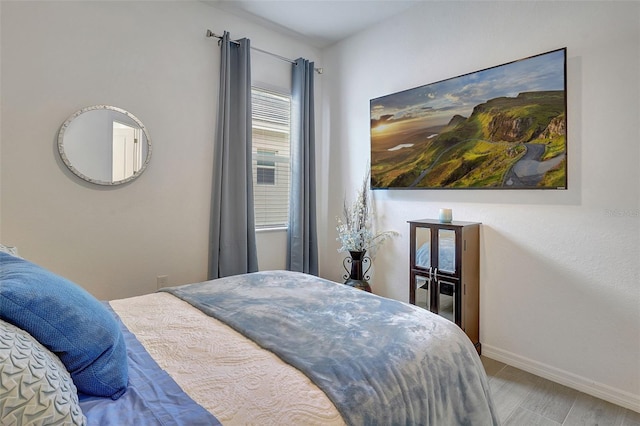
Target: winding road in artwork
[
  {"x": 529, "y": 170},
  {"x": 526, "y": 172}
]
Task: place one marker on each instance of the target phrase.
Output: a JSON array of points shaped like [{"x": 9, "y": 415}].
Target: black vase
[{"x": 357, "y": 273}]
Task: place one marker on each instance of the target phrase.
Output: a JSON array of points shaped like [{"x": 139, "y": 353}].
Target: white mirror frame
[{"x": 67, "y": 162}]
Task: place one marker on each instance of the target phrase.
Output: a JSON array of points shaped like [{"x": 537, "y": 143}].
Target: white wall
[
  {"x": 560, "y": 282},
  {"x": 152, "y": 59}
]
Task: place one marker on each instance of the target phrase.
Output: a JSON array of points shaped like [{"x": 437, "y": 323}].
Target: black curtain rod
[{"x": 282, "y": 58}]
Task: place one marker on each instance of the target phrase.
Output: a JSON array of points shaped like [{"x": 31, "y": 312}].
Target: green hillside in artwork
[{"x": 505, "y": 142}]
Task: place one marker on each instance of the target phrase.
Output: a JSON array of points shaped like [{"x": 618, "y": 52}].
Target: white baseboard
[{"x": 582, "y": 384}]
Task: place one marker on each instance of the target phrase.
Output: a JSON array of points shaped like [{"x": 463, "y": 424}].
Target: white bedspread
[{"x": 229, "y": 375}]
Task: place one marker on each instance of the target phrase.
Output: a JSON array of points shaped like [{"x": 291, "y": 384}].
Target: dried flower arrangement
[{"x": 355, "y": 231}]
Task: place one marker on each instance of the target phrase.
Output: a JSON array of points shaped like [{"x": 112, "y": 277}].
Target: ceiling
[{"x": 321, "y": 22}]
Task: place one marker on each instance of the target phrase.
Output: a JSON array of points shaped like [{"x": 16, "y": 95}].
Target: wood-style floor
[{"x": 523, "y": 399}]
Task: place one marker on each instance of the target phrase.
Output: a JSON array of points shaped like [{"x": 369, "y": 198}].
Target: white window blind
[{"x": 271, "y": 157}]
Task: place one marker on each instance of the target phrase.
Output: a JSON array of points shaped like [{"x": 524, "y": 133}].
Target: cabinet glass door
[
  {"x": 423, "y": 247},
  {"x": 447, "y": 300},
  {"x": 423, "y": 292},
  {"x": 446, "y": 250}
]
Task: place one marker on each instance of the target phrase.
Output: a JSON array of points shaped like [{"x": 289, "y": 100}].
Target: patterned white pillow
[
  {"x": 11, "y": 250},
  {"x": 36, "y": 387}
]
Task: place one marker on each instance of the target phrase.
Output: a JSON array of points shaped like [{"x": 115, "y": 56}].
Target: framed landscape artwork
[{"x": 501, "y": 127}]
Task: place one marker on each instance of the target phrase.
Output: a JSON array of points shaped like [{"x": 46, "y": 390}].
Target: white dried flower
[{"x": 355, "y": 230}]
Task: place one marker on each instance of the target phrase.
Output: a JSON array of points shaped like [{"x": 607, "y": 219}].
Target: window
[
  {"x": 271, "y": 156},
  {"x": 266, "y": 167}
]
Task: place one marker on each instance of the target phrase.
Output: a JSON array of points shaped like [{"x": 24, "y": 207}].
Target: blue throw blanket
[{"x": 380, "y": 361}]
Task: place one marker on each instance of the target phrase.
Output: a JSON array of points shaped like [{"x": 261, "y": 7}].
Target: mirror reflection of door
[{"x": 127, "y": 151}]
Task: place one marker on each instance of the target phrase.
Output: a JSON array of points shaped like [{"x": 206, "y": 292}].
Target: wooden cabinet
[{"x": 445, "y": 271}]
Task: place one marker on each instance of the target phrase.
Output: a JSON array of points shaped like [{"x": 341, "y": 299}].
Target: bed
[{"x": 273, "y": 347}]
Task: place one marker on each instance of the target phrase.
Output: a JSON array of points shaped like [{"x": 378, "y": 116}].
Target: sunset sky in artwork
[{"x": 435, "y": 104}]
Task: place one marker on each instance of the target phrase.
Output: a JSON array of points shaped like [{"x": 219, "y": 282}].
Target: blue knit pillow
[{"x": 69, "y": 322}]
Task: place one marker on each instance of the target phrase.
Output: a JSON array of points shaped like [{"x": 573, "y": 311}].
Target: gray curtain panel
[
  {"x": 232, "y": 247},
  {"x": 302, "y": 245}
]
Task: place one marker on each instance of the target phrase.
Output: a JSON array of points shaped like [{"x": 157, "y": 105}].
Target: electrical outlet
[{"x": 162, "y": 281}]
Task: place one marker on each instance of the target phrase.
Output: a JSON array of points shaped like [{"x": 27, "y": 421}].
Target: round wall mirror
[{"x": 104, "y": 145}]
